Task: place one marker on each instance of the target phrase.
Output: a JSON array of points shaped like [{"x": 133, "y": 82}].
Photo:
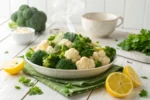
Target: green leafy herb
[
  {"x": 143, "y": 93},
  {"x": 17, "y": 87},
  {"x": 6, "y": 52},
  {"x": 98, "y": 63},
  {"x": 138, "y": 42},
  {"x": 21, "y": 79},
  {"x": 35, "y": 91},
  {"x": 144, "y": 77},
  {"x": 25, "y": 81}
]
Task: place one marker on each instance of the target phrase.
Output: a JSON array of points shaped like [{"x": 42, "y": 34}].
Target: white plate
[{"x": 69, "y": 74}]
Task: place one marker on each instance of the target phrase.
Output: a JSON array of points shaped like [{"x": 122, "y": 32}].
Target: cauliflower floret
[
  {"x": 65, "y": 42},
  {"x": 99, "y": 55},
  {"x": 42, "y": 46},
  {"x": 85, "y": 63},
  {"x": 105, "y": 60},
  {"x": 72, "y": 54},
  {"x": 50, "y": 49}
]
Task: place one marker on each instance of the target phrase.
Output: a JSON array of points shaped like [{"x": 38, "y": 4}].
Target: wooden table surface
[{"x": 7, "y": 82}]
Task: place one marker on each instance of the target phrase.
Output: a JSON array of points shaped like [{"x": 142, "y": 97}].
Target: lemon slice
[
  {"x": 13, "y": 66},
  {"x": 118, "y": 85},
  {"x": 129, "y": 71}
]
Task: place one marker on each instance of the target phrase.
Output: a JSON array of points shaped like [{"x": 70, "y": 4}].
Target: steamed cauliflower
[
  {"x": 50, "y": 50},
  {"x": 65, "y": 42},
  {"x": 101, "y": 56},
  {"x": 72, "y": 54},
  {"x": 85, "y": 63},
  {"x": 42, "y": 46},
  {"x": 105, "y": 60}
]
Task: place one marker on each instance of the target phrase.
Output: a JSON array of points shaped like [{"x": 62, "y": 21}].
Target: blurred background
[{"x": 136, "y": 13}]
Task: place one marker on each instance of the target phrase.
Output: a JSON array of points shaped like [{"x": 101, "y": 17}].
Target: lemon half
[
  {"x": 13, "y": 66},
  {"x": 118, "y": 85}
]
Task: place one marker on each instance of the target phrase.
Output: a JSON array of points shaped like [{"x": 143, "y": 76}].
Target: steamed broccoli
[
  {"x": 110, "y": 52},
  {"x": 65, "y": 64},
  {"x": 37, "y": 57},
  {"x": 30, "y": 17},
  {"x": 60, "y": 50},
  {"x": 82, "y": 44},
  {"x": 51, "y": 60},
  {"x": 29, "y": 53},
  {"x": 87, "y": 53},
  {"x": 98, "y": 63},
  {"x": 70, "y": 36}
]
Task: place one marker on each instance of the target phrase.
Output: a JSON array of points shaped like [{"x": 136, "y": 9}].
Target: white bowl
[
  {"x": 23, "y": 38},
  {"x": 69, "y": 74},
  {"x": 100, "y": 24}
]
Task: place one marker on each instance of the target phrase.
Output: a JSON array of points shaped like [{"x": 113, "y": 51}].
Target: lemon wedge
[
  {"x": 118, "y": 85},
  {"x": 13, "y": 66},
  {"x": 129, "y": 71}
]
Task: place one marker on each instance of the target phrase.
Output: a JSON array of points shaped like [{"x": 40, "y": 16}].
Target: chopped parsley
[
  {"x": 144, "y": 77},
  {"x": 143, "y": 93},
  {"x": 6, "y": 52},
  {"x": 25, "y": 81},
  {"x": 35, "y": 90},
  {"x": 17, "y": 87}
]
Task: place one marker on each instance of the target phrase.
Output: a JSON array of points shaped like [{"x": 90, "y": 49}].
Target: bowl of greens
[{"x": 70, "y": 55}]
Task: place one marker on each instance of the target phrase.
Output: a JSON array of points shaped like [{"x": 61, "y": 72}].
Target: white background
[{"x": 136, "y": 13}]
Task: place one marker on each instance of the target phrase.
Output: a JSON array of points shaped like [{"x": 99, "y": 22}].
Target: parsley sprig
[
  {"x": 34, "y": 90},
  {"x": 143, "y": 93},
  {"x": 144, "y": 77},
  {"x": 139, "y": 42}
]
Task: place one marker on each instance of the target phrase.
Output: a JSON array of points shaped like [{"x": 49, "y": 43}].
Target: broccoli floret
[
  {"x": 87, "y": 53},
  {"x": 21, "y": 21},
  {"x": 82, "y": 43},
  {"x": 98, "y": 63},
  {"x": 29, "y": 53},
  {"x": 14, "y": 16},
  {"x": 65, "y": 64},
  {"x": 27, "y": 13},
  {"x": 30, "y": 17},
  {"x": 20, "y": 14},
  {"x": 23, "y": 7},
  {"x": 110, "y": 52},
  {"x": 51, "y": 61},
  {"x": 70, "y": 36},
  {"x": 37, "y": 57}
]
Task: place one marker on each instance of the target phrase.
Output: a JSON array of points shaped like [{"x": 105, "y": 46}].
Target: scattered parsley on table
[
  {"x": 35, "y": 90},
  {"x": 144, "y": 77},
  {"x": 143, "y": 93},
  {"x": 17, "y": 87}
]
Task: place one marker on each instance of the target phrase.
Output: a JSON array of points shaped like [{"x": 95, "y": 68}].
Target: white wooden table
[{"x": 7, "y": 82}]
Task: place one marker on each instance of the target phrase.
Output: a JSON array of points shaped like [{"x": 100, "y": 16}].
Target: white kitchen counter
[{"x": 7, "y": 82}]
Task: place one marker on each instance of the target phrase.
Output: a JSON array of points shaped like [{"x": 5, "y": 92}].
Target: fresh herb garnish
[
  {"x": 35, "y": 90},
  {"x": 138, "y": 42},
  {"x": 25, "y": 81},
  {"x": 143, "y": 93},
  {"x": 6, "y": 52},
  {"x": 144, "y": 77},
  {"x": 21, "y": 79},
  {"x": 17, "y": 87}
]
